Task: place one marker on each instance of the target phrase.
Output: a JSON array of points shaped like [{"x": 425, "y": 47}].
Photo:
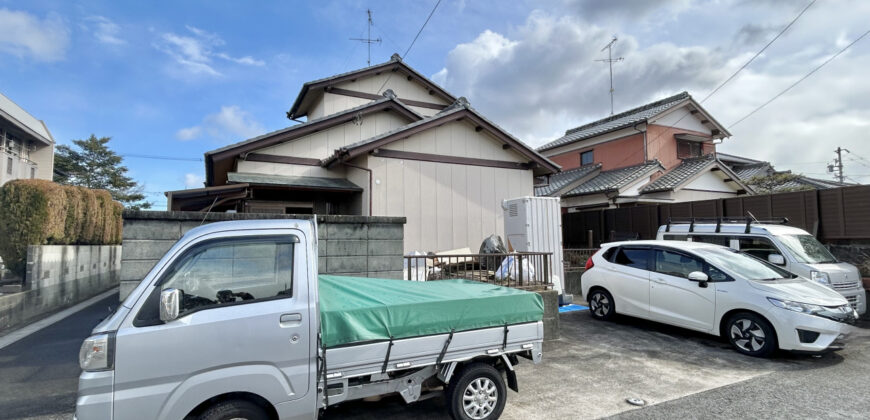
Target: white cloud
[
  {"x": 195, "y": 52},
  {"x": 229, "y": 124},
  {"x": 193, "y": 181},
  {"x": 106, "y": 31},
  {"x": 27, "y": 35},
  {"x": 189, "y": 133}
]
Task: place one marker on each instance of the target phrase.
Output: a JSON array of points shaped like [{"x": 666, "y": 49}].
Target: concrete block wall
[
  {"x": 58, "y": 276},
  {"x": 347, "y": 245}
]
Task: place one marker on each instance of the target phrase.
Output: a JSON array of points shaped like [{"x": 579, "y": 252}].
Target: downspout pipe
[
  {"x": 371, "y": 193},
  {"x": 645, "y": 153}
]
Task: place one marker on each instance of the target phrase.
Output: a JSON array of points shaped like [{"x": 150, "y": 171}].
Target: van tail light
[{"x": 589, "y": 263}]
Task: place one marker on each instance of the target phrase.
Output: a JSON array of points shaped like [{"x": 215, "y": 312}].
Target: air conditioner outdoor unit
[{"x": 534, "y": 224}]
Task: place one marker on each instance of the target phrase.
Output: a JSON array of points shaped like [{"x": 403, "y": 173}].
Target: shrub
[{"x": 39, "y": 212}]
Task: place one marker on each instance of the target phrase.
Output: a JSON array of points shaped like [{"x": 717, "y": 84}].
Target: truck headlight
[
  {"x": 820, "y": 277},
  {"x": 98, "y": 352},
  {"x": 806, "y": 308}
]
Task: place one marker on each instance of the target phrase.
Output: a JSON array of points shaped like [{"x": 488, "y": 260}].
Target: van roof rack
[{"x": 748, "y": 221}]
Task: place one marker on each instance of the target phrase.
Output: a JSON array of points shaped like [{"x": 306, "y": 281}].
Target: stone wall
[
  {"x": 551, "y": 314},
  {"x": 59, "y": 276},
  {"x": 853, "y": 252},
  {"x": 348, "y": 245}
]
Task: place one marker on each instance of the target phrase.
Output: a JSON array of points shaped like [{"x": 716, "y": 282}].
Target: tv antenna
[
  {"x": 610, "y": 60},
  {"x": 368, "y": 40}
]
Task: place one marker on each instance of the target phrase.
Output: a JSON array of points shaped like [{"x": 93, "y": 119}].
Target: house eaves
[
  {"x": 222, "y": 160},
  {"x": 689, "y": 170},
  {"x": 395, "y": 64},
  {"x": 25, "y": 122},
  {"x": 458, "y": 111},
  {"x": 566, "y": 179}
]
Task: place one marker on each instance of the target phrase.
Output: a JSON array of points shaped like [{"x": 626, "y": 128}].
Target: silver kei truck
[{"x": 235, "y": 323}]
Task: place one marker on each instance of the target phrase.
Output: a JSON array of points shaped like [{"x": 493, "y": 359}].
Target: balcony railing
[{"x": 521, "y": 270}]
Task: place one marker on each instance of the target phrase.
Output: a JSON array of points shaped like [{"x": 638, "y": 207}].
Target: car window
[
  {"x": 232, "y": 271},
  {"x": 633, "y": 257},
  {"x": 676, "y": 264},
  {"x": 742, "y": 265},
  {"x": 757, "y": 247},
  {"x": 715, "y": 274},
  {"x": 671, "y": 237},
  {"x": 712, "y": 239},
  {"x": 806, "y": 249}
]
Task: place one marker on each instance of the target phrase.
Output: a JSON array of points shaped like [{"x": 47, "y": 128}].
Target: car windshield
[
  {"x": 806, "y": 249},
  {"x": 741, "y": 264}
]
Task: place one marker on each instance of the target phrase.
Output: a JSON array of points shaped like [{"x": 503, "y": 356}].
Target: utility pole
[
  {"x": 610, "y": 60},
  {"x": 368, "y": 40},
  {"x": 837, "y": 167}
]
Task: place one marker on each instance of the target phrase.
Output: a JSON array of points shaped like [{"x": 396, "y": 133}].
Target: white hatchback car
[{"x": 759, "y": 307}]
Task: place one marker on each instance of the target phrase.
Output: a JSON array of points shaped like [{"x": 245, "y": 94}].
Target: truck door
[{"x": 243, "y": 327}]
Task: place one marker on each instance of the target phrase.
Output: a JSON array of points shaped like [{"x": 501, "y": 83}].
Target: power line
[
  {"x": 131, "y": 155},
  {"x": 802, "y": 78},
  {"x": 405, "y": 55},
  {"x": 759, "y": 52}
]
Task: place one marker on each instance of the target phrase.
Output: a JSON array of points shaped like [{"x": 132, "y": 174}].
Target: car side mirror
[
  {"x": 776, "y": 259},
  {"x": 699, "y": 277},
  {"x": 170, "y": 304}
]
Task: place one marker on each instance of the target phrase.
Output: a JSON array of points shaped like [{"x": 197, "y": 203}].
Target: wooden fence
[{"x": 832, "y": 215}]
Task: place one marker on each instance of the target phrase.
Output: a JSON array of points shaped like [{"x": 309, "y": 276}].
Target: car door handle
[
  {"x": 290, "y": 320},
  {"x": 659, "y": 280}
]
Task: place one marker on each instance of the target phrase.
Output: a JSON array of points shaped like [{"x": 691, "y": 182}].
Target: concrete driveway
[{"x": 591, "y": 370}]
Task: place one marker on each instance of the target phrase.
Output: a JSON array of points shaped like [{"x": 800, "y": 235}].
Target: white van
[{"x": 789, "y": 247}]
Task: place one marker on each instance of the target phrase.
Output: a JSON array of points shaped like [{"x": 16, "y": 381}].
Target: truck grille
[
  {"x": 853, "y": 300},
  {"x": 844, "y": 286}
]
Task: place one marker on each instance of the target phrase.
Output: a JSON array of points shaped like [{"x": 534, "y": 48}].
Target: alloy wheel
[
  {"x": 600, "y": 304},
  {"x": 747, "y": 335},
  {"x": 480, "y": 398}
]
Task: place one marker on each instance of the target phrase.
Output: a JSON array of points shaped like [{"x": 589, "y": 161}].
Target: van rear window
[
  {"x": 674, "y": 237},
  {"x": 712, "y": 239}
]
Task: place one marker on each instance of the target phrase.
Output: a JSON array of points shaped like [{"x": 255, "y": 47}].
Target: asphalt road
[{"x": 39, "y": 374}]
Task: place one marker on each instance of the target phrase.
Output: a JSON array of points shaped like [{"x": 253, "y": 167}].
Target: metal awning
[
  {"x": 310, "y": 183},
  {"x": 691, "y": 137}
]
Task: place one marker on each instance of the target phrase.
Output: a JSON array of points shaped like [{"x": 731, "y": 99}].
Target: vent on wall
[{"x": 513, "y": 211}]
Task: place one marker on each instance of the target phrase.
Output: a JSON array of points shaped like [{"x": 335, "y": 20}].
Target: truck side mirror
[
  {"x": 170, "y": 304},
  {"x": 776, "y": 259}
]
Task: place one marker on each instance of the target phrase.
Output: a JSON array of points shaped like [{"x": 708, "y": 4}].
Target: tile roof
[
  {"x": 614, "y": 179},
  {"x": 676, "y": 176},
  {"x": 745, "y": 172},
  {"x": 563, "y": 179},
  {"x": 618, "y": 121}
]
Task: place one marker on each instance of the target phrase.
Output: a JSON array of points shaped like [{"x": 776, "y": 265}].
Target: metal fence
[
  {"x": 523, "y": 270},
  {"x": 575, "y": 258},
  {"x": 831, "y": 215}
]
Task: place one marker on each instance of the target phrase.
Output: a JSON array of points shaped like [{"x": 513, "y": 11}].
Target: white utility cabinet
[{"x": 534, "y": 224}]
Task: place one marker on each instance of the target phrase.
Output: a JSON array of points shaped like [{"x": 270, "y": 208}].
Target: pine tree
[{"x": 91, "y": 163}]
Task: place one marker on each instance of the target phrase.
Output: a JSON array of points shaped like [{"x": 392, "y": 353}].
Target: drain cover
[{"x": 636, "y": 401}]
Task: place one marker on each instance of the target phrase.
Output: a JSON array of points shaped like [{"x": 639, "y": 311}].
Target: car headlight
[
  {"x": 806, "y": 308},
  {"x": 98, "y": 352},
  {"x": 820, "y": 277}
]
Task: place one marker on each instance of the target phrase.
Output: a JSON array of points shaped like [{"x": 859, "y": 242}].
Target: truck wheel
[
  {"x": 234, "y": 409},
  {"x": 476, "y": 393}
]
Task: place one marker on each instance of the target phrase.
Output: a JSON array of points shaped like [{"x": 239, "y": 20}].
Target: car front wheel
[{"x": 751, "y": 334}]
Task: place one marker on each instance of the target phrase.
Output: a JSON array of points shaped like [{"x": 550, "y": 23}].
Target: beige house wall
[
  {"x": 323, "y": 143},
  {"x": 399, "y": 83},
  {"x": 457, "y": 139}
]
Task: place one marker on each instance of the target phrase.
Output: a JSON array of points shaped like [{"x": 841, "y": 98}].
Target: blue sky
[{"x": 181, "y": 78}]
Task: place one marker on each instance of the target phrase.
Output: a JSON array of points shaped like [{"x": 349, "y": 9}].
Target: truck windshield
[
  {"x": 742, "y": 265},
  {"x": 806, "y": 249}
]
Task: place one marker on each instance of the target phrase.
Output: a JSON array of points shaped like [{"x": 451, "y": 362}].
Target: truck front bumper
[{"x": 96, "y": 390}]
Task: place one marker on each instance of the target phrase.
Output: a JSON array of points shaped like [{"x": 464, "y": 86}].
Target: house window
[
  {"x": 9, "y": 166},
  {"x": 32, "y": 173},
  {"x": 688, "y": 149},
  {"x": 586, "y": 158}
]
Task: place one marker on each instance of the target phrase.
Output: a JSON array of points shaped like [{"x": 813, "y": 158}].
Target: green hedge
[{"x": 38, "y": 212}]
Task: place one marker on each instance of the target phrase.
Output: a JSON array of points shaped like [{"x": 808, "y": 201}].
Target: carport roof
[{"x": 294, "y": 182}]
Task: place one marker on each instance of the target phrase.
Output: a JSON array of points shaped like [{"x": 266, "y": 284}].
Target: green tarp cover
[{"x": 358, "y": 309}]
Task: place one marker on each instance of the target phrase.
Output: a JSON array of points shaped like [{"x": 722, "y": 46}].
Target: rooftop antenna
[
  {"x": 610, "y": 60},
  {"x": 368, "y": 40}
]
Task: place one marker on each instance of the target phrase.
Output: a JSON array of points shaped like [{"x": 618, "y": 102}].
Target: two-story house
[
  {"x": 663, "y": 151},
  {"x": 383, "y": 141},
  {"x": 26, "y": 145}
]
